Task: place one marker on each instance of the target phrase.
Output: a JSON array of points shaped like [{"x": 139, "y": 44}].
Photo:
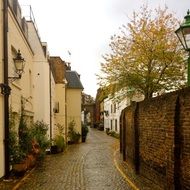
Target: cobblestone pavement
[{"x": 84, "y": 166}]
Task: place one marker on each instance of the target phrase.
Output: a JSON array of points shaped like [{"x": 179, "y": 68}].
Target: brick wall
[
  {"x": 155, "y": 139},
  {"x": 184, "y": 101}
]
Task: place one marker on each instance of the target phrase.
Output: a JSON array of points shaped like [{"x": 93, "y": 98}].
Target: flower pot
[
  {"x": 83, "y": 138},
  {"x": 54, "y": 149},
  {"x": 20, "y": 168},
  {"x": 31, "y": 161}
]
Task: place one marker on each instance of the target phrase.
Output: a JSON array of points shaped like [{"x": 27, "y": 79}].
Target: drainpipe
[
  {"x": 6, "y": 95},
  {"x": 50, "y": 100},
  {"x": 66, "y": 127}
]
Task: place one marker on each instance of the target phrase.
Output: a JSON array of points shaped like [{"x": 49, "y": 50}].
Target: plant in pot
[
  {"x": 18, "y": 160},
  {"x": 74, "y": 136},
  {"x": 54, "y": 148},
  {"x": 85, "y": 131},
  {"x": 39, "y": 138},
  {"x": 58, "y": 143},
  {"x": 16, "y": 148}
]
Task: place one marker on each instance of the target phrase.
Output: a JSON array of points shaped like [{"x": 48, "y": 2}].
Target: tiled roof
[{"x": 73, "y": 80}]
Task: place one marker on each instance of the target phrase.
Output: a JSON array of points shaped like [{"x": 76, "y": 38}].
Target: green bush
[
  {"x": 39, "y": 134},
  {"x": 25, "y": 136},
  {"x": 23, "y": 140},
  {"x": 85, "y": 130},
  {"x": 60, "y": 142},
  {"x": 113, "y": 134},
  {"x": 72, "y": 134},
  {"x": 17, "y": 149}
]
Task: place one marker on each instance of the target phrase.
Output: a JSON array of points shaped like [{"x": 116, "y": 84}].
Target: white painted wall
[
  {"x": 41, "y": 79},
  {"x": 20, "y": 88},
  {"x": 111, "y": 120}
]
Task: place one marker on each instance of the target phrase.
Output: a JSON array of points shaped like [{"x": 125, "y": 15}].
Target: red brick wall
[{"x": 157, "y": 139}]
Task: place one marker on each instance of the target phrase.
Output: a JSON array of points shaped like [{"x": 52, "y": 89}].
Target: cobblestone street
[{"x": 85, "y": 166}]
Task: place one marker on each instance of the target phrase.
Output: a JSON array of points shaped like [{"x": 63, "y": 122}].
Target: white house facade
[
  {"x": 112, "y": 112},
  {"x": 41, "y": 76}
]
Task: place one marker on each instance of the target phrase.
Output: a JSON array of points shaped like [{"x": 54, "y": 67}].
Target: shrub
[
  {"x": 107, "y": 131},
  {"x": 84, "y": 130},
  {"x": 25, "y": 136},
  {"x": 72, "y": 134},
  {"x": 38, "y": 133},
  {"x": 26, "y": 140},
  {"x": 113, "y": 134},
  {"x": 60, "y": 142},
  {"x": 18, "y": 148}
]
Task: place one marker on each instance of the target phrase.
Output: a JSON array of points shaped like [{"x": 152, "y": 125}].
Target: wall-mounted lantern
[
  {"x": 19, "y": 64},
  {"x": 183, "y": 34}
]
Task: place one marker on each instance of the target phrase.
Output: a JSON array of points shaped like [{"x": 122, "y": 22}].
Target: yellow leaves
[{"x": 145, "y": 54}]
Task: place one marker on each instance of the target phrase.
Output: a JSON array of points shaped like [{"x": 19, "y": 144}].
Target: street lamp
[
  {"x": 19, "y": 69},
  {"x": 19, "y": 64},
  {"x": 183, "y": 34}
]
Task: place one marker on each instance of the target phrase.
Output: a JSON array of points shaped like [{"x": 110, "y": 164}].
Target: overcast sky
[{"x": 84, "y": 28}]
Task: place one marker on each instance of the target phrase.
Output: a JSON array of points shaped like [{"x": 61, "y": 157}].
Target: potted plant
[
  {"x": 18, "y": 160},
  {"x": 17, "y": 154},
  {"x": 54, "y": 149},
  {"x": 74, "y": 136},
  {"x": 84, "y": 132},
  {"x": 59, "y": 141},
  {"x": 27, "y": 143},
  {"x": 39, "y": 138}
]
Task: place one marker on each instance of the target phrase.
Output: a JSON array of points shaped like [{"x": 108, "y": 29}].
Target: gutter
[{"x": 50, "y": 100}]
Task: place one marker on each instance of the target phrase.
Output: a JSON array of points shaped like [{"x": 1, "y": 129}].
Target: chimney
[{"x": 69, "y": 66}]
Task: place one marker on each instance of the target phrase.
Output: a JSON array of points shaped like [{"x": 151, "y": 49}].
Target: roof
[{"x": 73, "y": 80}]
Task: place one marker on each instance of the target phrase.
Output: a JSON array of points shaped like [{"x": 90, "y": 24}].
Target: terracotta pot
[
  {"x": 20, "y": 167},
  {"x": 31, "y": 161}
]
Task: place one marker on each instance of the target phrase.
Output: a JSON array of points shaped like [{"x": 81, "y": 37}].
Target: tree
[{"x": 145, "y": 57}]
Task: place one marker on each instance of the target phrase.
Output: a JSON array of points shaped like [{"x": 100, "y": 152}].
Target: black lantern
[
  {"x": 19, "y": 64},
  {"x": 183, "y": 34},
  {"x": 19, "y": 69}
]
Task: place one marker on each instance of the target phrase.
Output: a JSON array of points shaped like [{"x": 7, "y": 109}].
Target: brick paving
[{"x": 85, "y": 166}]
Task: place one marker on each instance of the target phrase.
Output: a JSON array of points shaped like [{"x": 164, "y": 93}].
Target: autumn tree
[{"x": 145, "y": 56}]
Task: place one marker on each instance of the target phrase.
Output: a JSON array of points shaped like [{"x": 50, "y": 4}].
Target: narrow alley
[{"x": 85, "y": 166}]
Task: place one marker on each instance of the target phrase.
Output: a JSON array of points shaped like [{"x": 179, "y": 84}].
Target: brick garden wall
[
  {"x": 155, "y": 139},
  {"x": 184, "y": 107}
]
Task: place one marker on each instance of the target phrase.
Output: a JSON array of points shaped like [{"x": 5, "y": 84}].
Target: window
[
  {"x": 56, "y": 107},
  {"x": 115, "y": 124},
  {"x": 30, "y": 82},
  {"x": 114, "y": 108}
]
